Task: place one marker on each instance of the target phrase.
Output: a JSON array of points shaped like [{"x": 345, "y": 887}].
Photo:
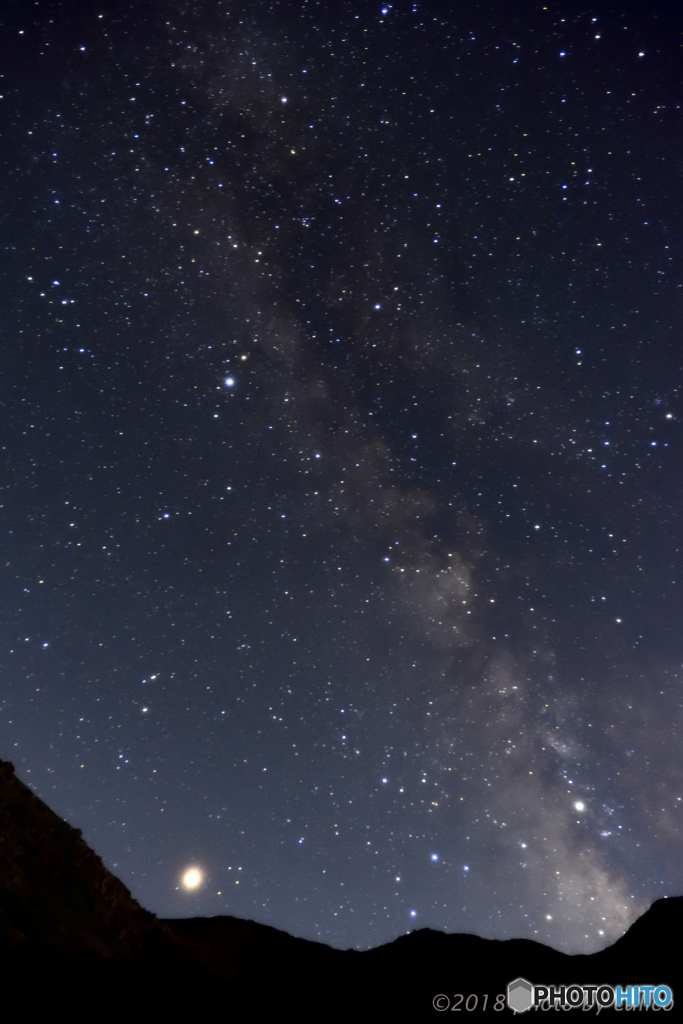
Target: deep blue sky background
[{"x": 341, "y": 500}]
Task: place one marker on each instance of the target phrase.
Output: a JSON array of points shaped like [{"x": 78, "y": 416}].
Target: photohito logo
[{"x": 522, "y": 996}]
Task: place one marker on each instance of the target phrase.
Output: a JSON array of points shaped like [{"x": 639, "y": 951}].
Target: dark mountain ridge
[{"x": 70, "y": 930}]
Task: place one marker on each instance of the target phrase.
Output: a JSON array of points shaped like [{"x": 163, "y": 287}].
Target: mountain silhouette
[{"x": 72, "y": 935}]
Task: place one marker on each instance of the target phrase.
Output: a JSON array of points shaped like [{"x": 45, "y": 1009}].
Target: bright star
[{"x": 192, "y": 878}]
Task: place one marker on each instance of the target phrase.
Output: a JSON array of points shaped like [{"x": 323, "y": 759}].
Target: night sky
[{"x": 341, "y": 440}]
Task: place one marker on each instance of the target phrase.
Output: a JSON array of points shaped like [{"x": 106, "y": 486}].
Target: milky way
[{"x": 341, "y": 504}]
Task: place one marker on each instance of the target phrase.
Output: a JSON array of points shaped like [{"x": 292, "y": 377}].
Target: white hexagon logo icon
[{"x": 520, "y": 995}]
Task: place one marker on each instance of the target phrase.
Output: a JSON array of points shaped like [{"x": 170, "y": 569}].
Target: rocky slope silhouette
[{"x": 71, "y": 934}]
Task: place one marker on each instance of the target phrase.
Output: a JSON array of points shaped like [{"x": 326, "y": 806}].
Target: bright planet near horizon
[{"x": 192, "y": 878}]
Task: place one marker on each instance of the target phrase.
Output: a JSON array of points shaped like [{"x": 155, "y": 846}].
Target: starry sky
[{"x": 341, "y": 456}]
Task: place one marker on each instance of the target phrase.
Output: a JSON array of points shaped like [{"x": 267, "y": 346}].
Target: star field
[{"x": 341, "y": 504}]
